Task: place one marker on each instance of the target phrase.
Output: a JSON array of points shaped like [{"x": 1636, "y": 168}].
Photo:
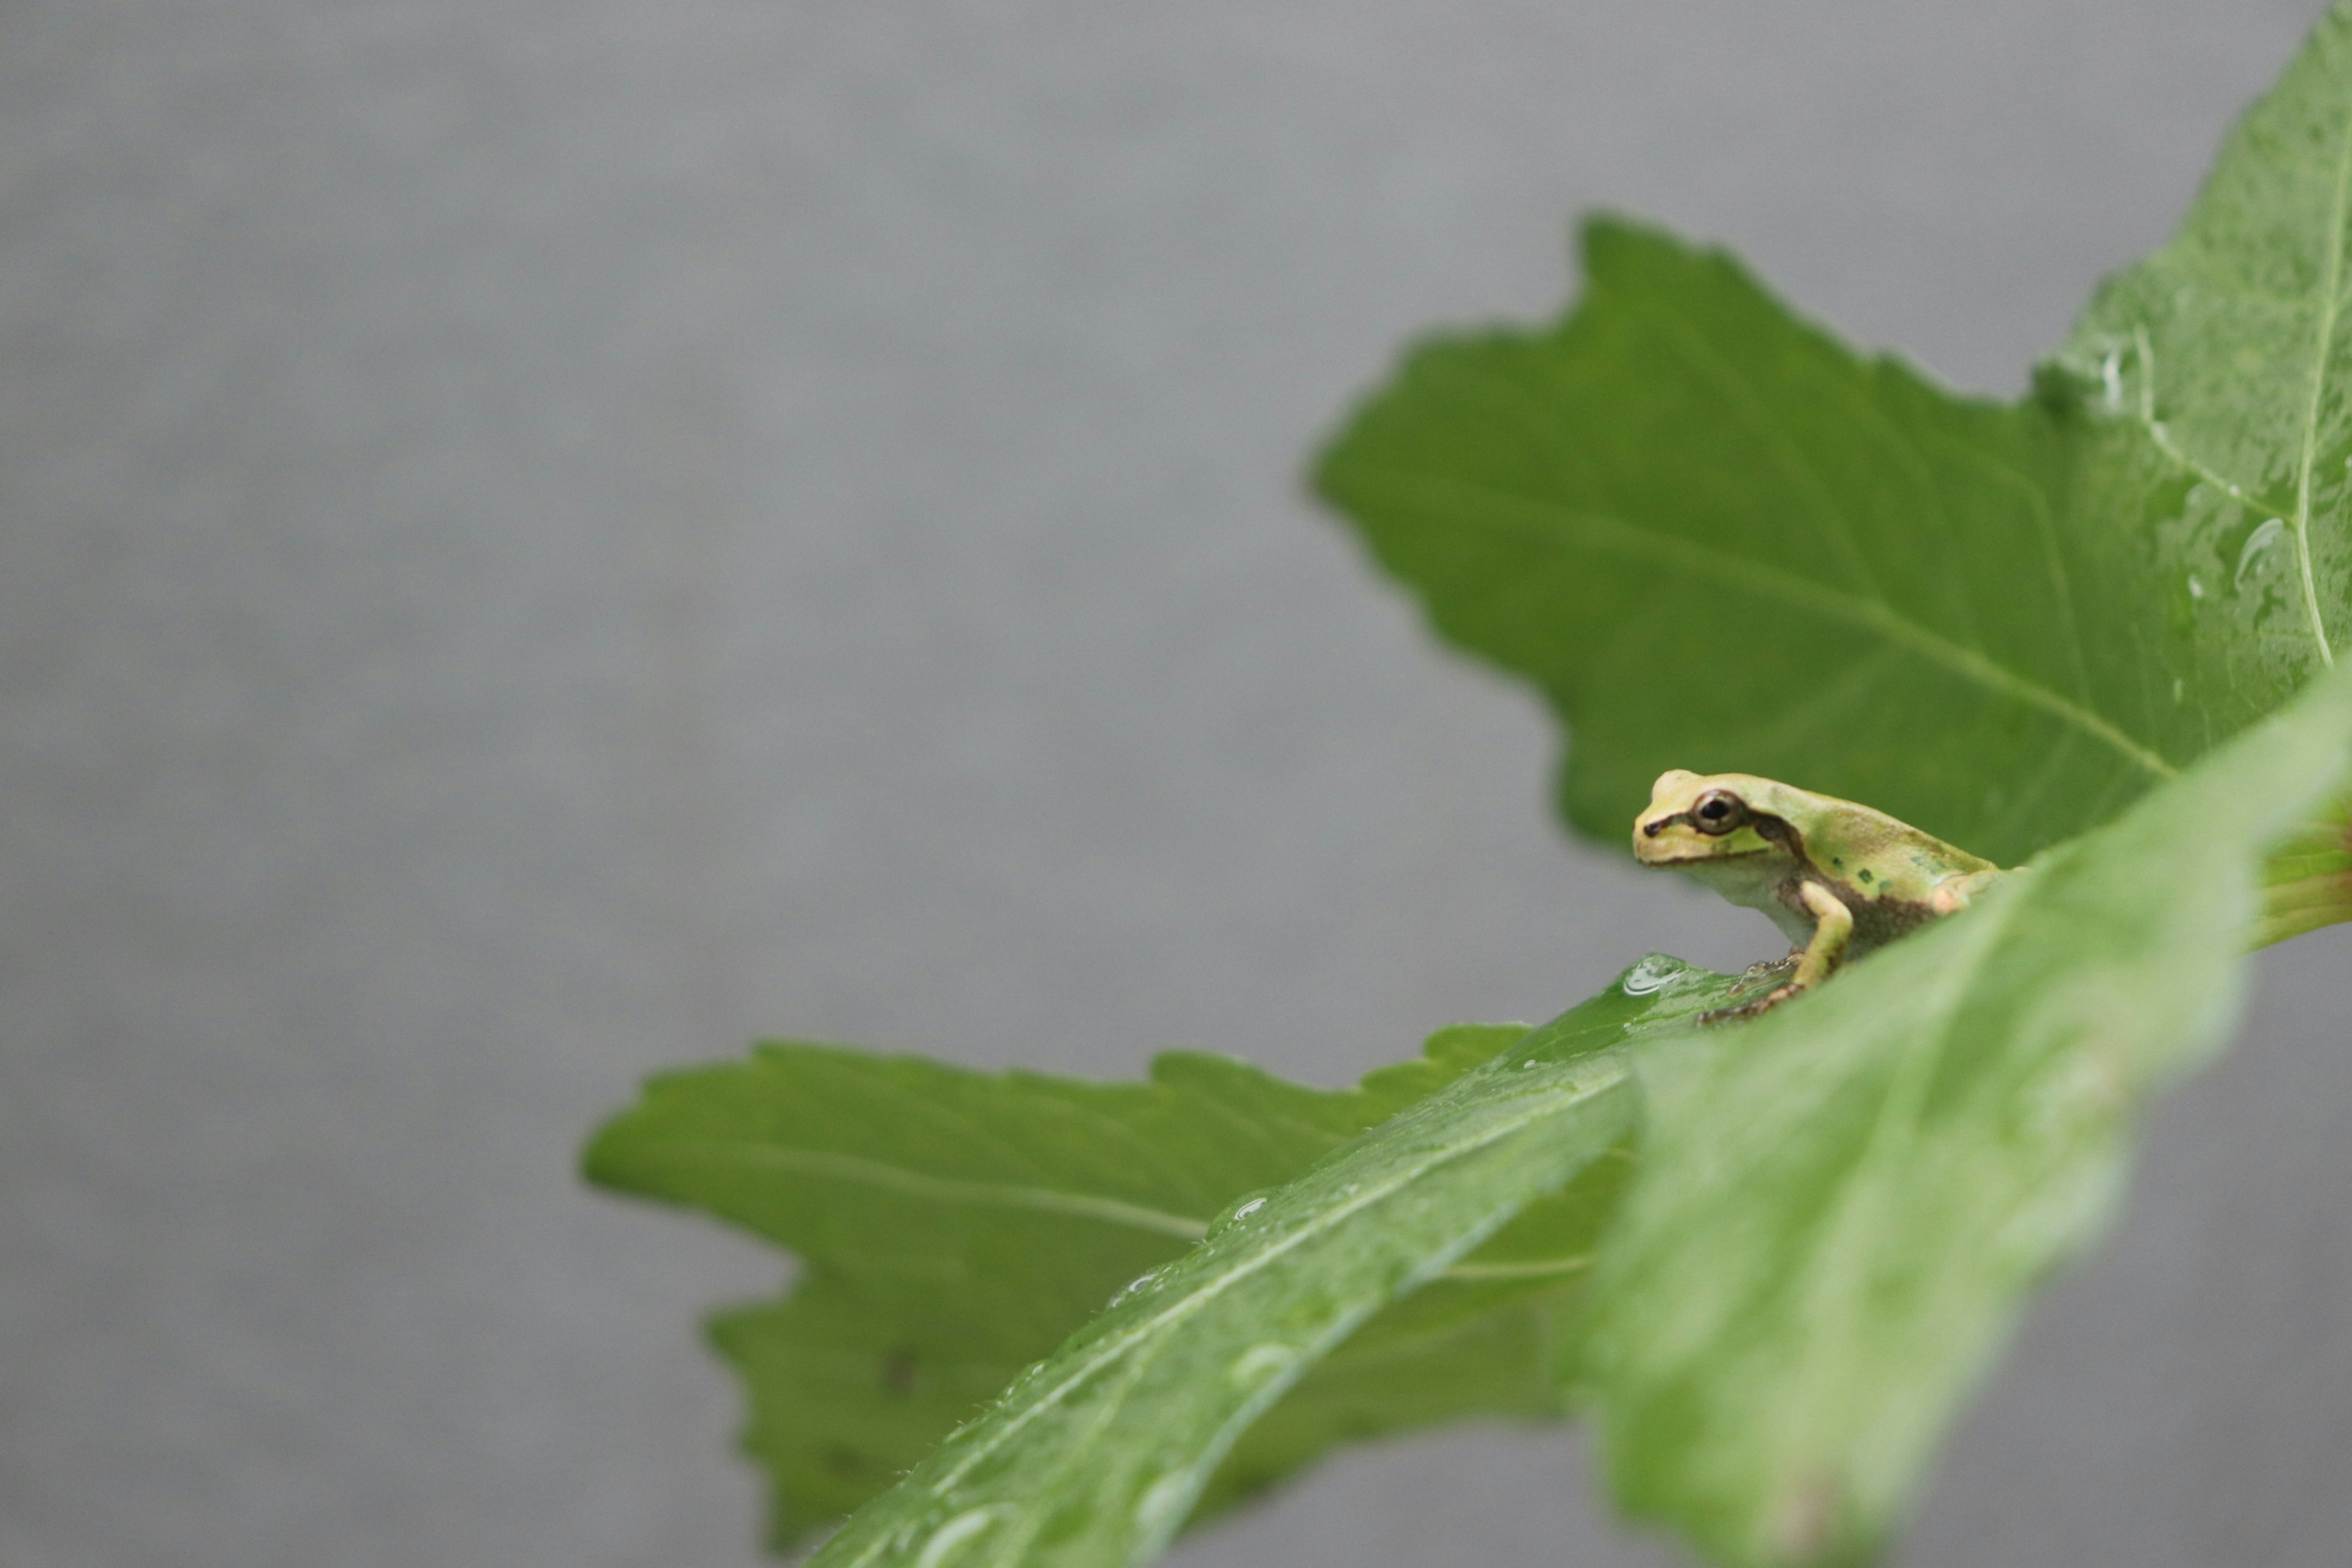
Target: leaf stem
[{"x": 2307, "y": 881}]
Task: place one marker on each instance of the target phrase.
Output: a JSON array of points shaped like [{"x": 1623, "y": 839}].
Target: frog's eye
[{"x": 1718, "y": 812}]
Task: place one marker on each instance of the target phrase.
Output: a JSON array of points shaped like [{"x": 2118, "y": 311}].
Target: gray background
[{"x": 545, "y": 539}]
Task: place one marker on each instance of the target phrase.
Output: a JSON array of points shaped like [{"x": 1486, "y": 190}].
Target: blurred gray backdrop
[{"x": 542, "y": 540}]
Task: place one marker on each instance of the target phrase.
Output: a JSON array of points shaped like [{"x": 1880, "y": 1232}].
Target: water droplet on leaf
[
  {"x": 1652, "y": 975},
  {"x": 2261, "y": 540},
  {"x": 1141, "y": 1284},
  {"x": 1237, "y": 1213},
  {"x": 954, "y": 1533},
  {"x": 1261, "y": 1361}
]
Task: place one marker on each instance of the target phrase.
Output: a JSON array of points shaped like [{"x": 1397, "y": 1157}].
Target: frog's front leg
[{"x": 1832, "y": 935}]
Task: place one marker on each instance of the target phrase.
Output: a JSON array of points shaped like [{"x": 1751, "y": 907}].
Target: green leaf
[
  {"x": 1715, "y": 539},
  {"x": 1718, "y": 540},
  {"x": 2225, "y": 354},
  {"x": 2228, "y": 347},
  {"x": 848, "y": 1396},
  {"x": 1840, "y": 1204},
  {"x": 954, "y": 1226},
  {"x": 1096, "y": 1456}
]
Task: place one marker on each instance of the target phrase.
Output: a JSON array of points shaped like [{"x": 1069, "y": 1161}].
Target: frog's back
[{"x": 1878, "y": 857}]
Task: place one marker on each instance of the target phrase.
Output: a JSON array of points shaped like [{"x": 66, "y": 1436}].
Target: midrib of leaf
[
  {"x": 2330, "y": 302},
  {"x": 1044, "y": 1200},
  {"x": 949, "y": 1189},
  {"x": 1605, "y": 531},
  {"x": 1207, "y": 1290},
  {"x": 2145, "y": 351},
  {"x": 2330, "y": 307},
  {"x": 1218, "y": 1284}
]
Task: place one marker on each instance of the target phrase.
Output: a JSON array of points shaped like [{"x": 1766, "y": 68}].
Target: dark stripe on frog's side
[{"x": 1877, "y": 920}]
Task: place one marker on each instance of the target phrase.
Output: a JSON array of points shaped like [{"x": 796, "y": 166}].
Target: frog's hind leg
[
  {"x": 1816, "y": 960},
  {"x": 1953, "y": 894}
]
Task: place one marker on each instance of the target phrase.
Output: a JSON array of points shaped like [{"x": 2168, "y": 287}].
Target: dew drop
[
  {"x": 1236, "y": 1214},
  {"x": 1261, "y": 1361},
  {"x": 954, "y": 1533},
  {"x": 2179, "y": 690},
  {"x": 1653, "y": 974},
  {"x": 2195, "y": 588},
  {"x": 1137, "y": 1286},
  {"x": 2261, "y": 540},
  {"x": 2111, "y": 380}
]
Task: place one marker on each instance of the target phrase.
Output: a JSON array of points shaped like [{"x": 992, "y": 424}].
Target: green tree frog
[{"x": 1838, "y": 877}]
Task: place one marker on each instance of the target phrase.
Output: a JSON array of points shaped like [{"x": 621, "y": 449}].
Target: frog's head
[{"x": 1697, "y": 818}]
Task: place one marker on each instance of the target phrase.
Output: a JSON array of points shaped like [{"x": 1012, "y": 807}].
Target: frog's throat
[{"x": 1753, "y": 879}]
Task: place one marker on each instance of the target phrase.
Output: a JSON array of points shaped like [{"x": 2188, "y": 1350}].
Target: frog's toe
[
  {"x": 1749, "y": 1009},
  {"x": 1770, "y": 971}
]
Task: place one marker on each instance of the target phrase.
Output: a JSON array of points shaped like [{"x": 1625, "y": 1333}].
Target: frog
[{"x": 1839, "y": 878}]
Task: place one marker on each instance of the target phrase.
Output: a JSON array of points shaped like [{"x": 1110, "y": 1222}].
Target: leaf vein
[
  {"x": 1500, "y": 1127},
  {"x": 1703, "y": 356},
  {"x": 858, "y": 1170},
  {"x": 1602, "y": 531},
  {"x": 2322, "y": 347}
]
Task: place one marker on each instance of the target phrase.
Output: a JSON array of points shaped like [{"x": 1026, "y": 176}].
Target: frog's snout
[
  {"x": 1660, "y": 814},
  {"x": 1646, "y": 828}
]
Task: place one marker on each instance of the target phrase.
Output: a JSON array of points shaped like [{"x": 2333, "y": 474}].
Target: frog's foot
[
  {"x": 1770, "y": 971},
  {"x": 1749, "y": 1009},
  {"x": 1815, "y": 961}
]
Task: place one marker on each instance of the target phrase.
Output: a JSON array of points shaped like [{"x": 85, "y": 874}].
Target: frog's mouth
[
  {"x": 1673, "y": 840},
  {"x": 1646, "y": 859},
  {"x": 1650, "y": 852}
]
